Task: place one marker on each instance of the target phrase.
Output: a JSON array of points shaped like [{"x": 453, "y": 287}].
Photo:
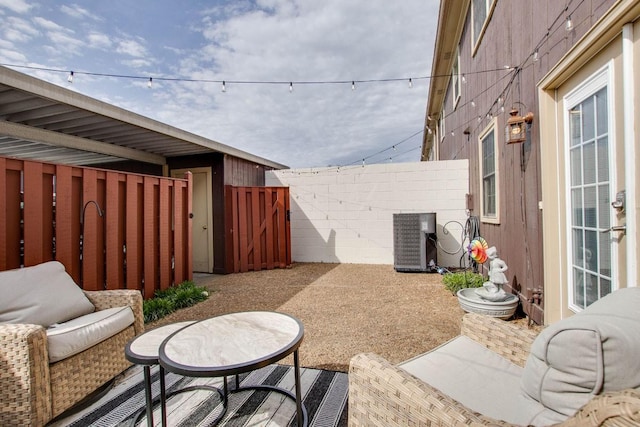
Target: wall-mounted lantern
[{"x": 516, "y": 130}]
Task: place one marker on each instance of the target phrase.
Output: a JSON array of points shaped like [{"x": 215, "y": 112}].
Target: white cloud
[
  {"x": 131, "y": 48},
  {"x": 11, "y": 56},
  {"x": 48, "y": 25},
  {"x": 76, "y": 11},
  {"x": 65, "y": 43},
  {"x": 137, "y": 63},
  {"x": 18, "y": 6},
  {"x": 99, "y": 40},
  {"x": 18, "y": 30}
]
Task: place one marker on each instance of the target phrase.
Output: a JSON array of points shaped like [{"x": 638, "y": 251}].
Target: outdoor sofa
[
  {"x": 58, "y": 343},
  {"x": 581, "y": 371}
]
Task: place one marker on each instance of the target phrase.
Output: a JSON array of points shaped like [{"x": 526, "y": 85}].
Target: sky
[{"x": 257, "y": 47}]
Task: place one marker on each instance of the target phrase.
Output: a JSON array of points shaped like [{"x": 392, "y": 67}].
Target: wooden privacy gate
[{"x": 258, "y": 234}]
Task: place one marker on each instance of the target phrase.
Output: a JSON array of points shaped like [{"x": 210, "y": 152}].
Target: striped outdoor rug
[{"x": 324, "y": 396}]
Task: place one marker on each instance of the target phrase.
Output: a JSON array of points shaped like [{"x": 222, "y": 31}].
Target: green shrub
[
  {"x": 171, "y": 299},
  {"x": 156, "y": 308},
  {"x": 461, "y": 280}
]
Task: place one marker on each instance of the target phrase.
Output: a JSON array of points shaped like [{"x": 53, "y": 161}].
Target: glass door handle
[{"x": 616, "y": 228}]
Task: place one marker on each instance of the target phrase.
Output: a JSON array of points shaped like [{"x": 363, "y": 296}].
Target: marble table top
[
  {"x": 143, "y": 349},
  {"x": 231, "y": 343}
]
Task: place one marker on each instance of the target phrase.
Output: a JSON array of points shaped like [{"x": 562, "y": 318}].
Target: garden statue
[{"x": 492, "y": 289}]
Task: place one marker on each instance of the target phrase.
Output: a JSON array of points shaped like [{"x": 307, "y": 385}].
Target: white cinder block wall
[{"x": 346, "y": 215}]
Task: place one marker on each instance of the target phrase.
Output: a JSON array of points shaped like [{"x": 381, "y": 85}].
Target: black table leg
[
  {"x": 163, "y": 397},
  {"x": 296, "y": 368},
  {"x": 147, "y": 392}
]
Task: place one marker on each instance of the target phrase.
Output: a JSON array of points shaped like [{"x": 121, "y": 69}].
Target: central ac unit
[{"x": 414, "y": 235}]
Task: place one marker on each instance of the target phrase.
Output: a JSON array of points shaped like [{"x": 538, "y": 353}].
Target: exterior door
[
  {"x": 590, "y": 168},
  {"x": 202, "y": 218}
]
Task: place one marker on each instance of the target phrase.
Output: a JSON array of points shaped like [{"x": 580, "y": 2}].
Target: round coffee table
[
  {"x": 235, "y": 343},
  {"x": 143, "y": 350}
]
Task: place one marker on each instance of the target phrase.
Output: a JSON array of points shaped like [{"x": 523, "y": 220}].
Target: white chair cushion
[
  {"x": 481, "y": 380},
  {"x": 41, "y": 295},
  {"x": 592, "y": 352},
  {"x": 79, "y": 334}
]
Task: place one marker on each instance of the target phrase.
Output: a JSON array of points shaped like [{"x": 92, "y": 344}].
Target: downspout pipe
[{"x": 629, "y": 136}]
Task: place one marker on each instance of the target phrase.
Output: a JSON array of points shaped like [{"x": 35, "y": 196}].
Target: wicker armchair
[
  {"x": 382, "y": 394},
  {"x": 33, "y": 391}
]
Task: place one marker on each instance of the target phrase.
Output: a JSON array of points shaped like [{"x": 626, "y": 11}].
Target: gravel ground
[{"x": 346, "y": 309}]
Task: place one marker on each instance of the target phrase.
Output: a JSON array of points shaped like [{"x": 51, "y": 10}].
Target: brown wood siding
[{"x": 515, "y": 29}]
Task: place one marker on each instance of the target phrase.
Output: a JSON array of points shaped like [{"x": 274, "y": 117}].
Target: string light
[
  {"x": 252, "y": 82},
  {"x": 473, "y": 103},
  {"x": 535, "y": 56},
  {"x": 464, "y": 79},
  {"x": 70, "y": 78},
  {"x": 224, "y": 86},
  {"x": 290, "y": 87},
  {"x": 149, "y": 83},
  {"x": 569, "y": 24},
  {"x": 353, "y": 85}
]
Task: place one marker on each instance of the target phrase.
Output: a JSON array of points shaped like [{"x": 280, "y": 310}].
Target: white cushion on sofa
[
  {"x": 592, "y": 352},
  {"x": 79, "y": 334},
  {"x": 481, "y": 380},
  {"x": 42, "y": 295}
]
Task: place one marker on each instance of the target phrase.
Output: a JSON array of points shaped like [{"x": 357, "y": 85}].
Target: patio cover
[{"x": 45, "y": 122}]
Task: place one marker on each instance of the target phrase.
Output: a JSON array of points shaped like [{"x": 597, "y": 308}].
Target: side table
[{"x": 143, "y": 350}]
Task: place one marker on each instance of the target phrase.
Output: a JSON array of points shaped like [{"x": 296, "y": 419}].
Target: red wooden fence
[
  {"x": 258, "y": 229},
  {"x": 142, "y": 241}
]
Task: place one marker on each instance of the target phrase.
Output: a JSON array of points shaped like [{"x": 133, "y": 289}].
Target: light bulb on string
[
  {"x": 535, "y": 56},
  {"x": 149, "y": 83},
  {"x": 410, "y": 83},
  {"x": 353, "y": 85},
  {"x": 70, "y": 77},
  {"x": 290, "y": 87},
  {"x": 479, "y": 119},
  {"x": 502, "y": 108},
  {"x": 224, "y": 86},
  {"x": 473, "y": 103},
  {"x": 464, "y": 79}
]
